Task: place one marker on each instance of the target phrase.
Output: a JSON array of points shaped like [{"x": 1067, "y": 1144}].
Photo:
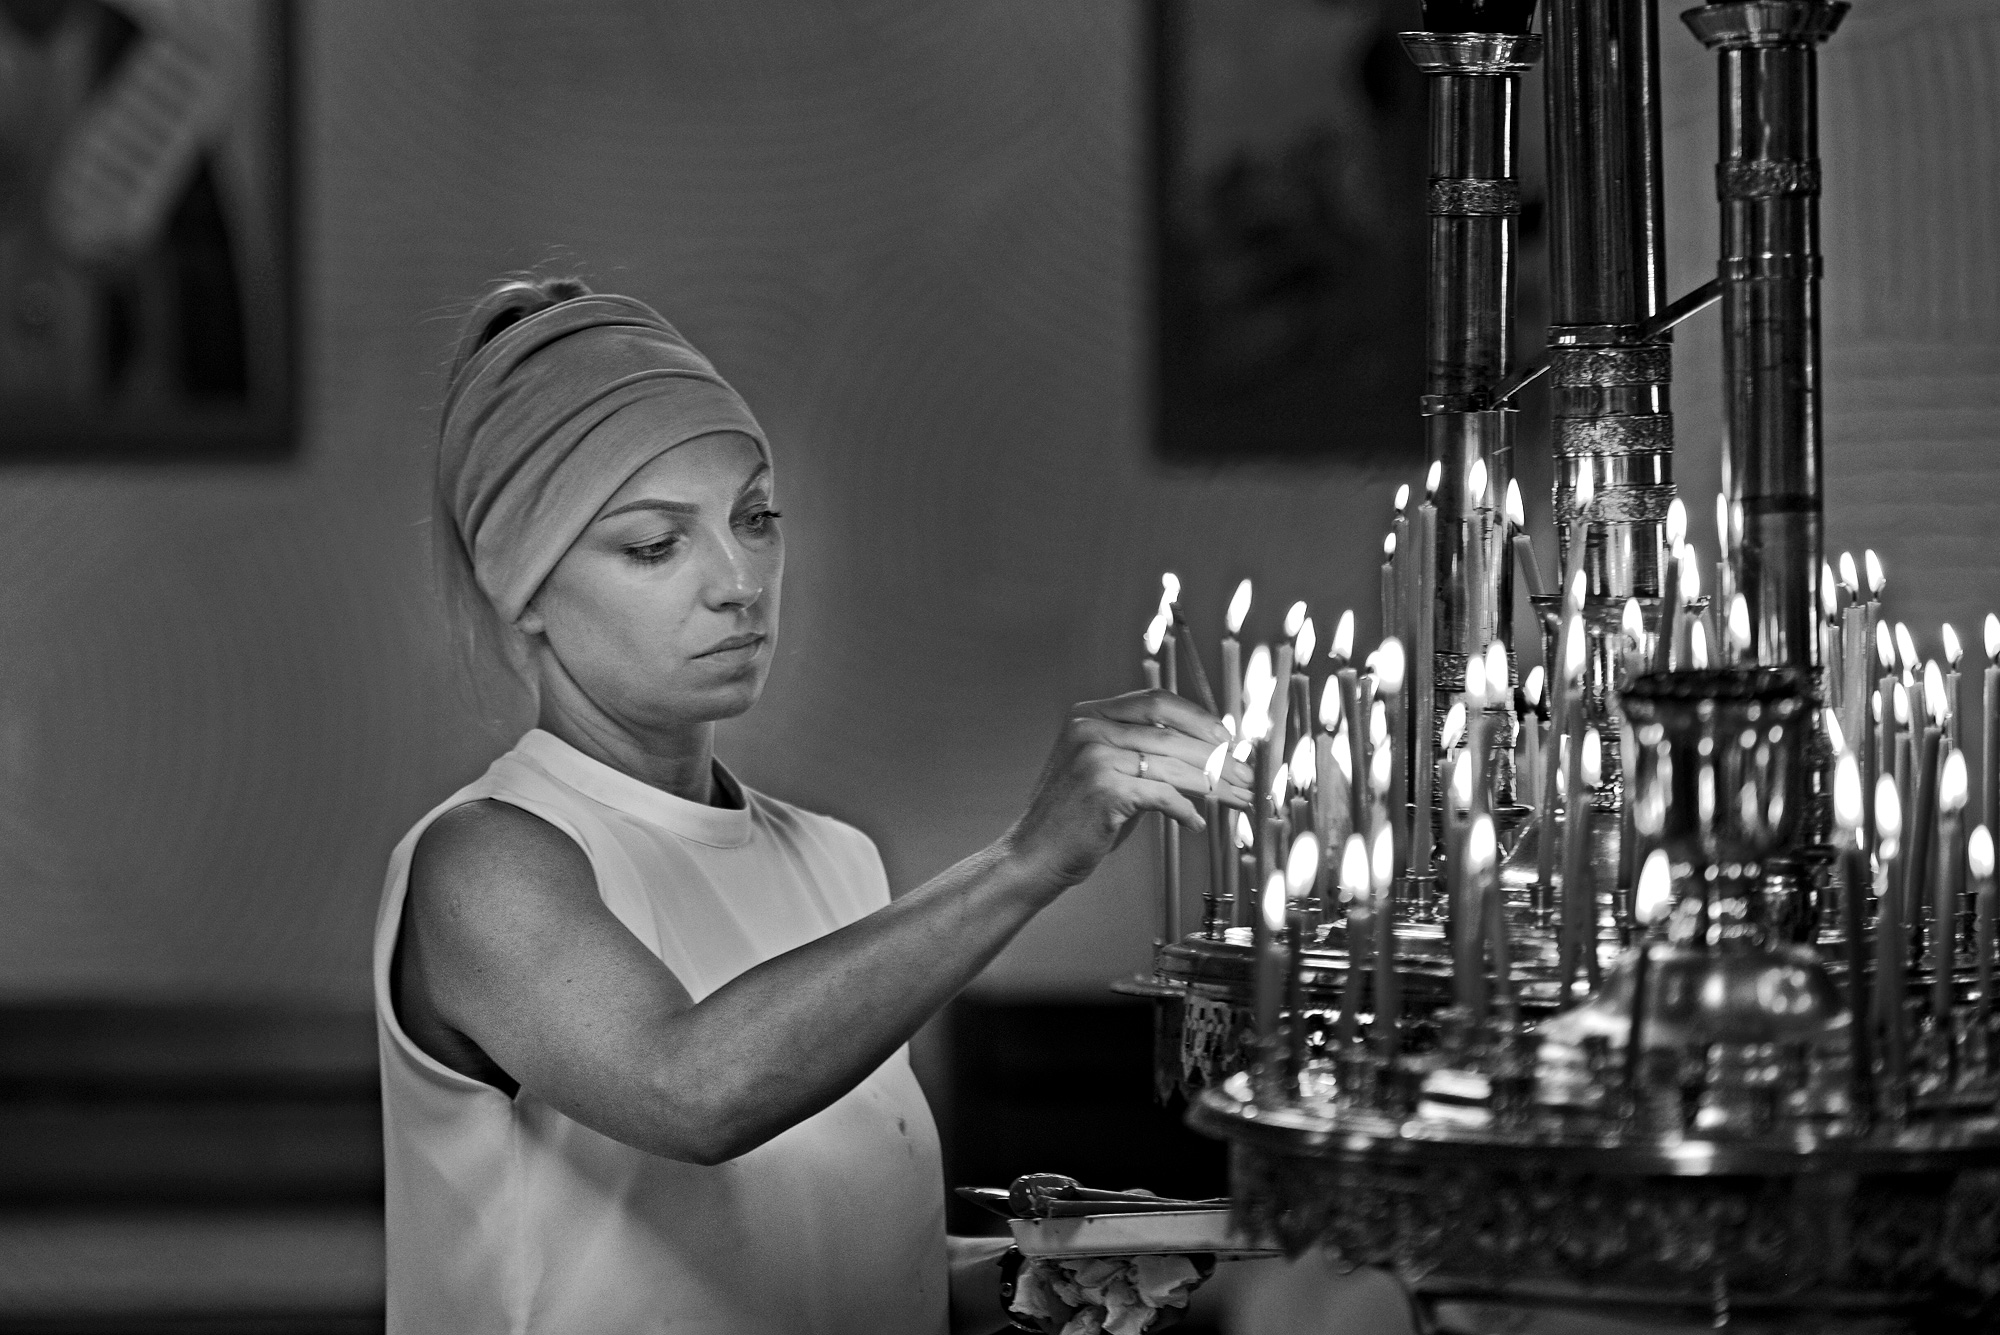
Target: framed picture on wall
[
  {"x": 1290, "y": 230},
  {"x": 146, "y": 285}
]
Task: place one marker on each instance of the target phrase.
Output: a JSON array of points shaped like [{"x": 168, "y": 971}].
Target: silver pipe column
[
  {"x": 1475, "y": 204},
  {"x": 1768, "y": 181}
]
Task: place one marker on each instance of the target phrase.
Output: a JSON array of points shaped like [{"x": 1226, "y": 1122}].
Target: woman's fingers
[
  {"x": 1160, "y": 709},
  {"x": 1180, "y": 759},
  {"x": 1151, "y": 794}
]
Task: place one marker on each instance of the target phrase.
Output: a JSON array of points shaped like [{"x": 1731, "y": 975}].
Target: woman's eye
[
  {"x": 758, "y": 522},
  {"x": 659, "y": 549}
]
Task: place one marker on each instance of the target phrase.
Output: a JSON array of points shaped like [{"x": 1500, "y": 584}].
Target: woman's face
[{"x": 664, "y": 612}]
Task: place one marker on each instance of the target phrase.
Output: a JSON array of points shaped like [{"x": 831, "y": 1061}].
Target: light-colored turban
[{"x": 533, "y": 442}]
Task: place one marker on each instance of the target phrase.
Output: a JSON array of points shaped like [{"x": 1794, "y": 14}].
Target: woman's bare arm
[{"x": 507, "y": 942}]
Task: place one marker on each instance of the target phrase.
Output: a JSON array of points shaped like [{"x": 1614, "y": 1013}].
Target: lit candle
[
  {"x": 1354, "y": 880},
  {"x": 1304, "y": 769},
  {"x": 1245, "y": 880},
  {"x": 1672, "y": 587},
  {"x": 1170, "y": 848},
  {"x": 1847, "y": 812},
  {"x": 1831, "y": 658},
  {"x": 1156, "y": 632},
  {"x": 1391, "y": 614},
  {"x": 1390, "y": 668},
  {"x": 1979, "y": 860},
  {"x": 1892, "y": 947},
  {"x": 1527, "y": 568},
  {"x": 1922, "y": 829},
  {"x": 1482, "y": 852},
  {"x": 1944, "y": 912},
  {"x": 1475, "y": 698},
  {"x": 1357, "y": 721},
  {"x": 1477, "y": 509},
  {"x": 1479, "y": 853},
  {"x": 1633, "y": 659},
  {"x": 1232, "y": 654},
  {"x": 1577, "y": 871},
  {"x": 1738, "y": 647},
  {"x": 1218, "y": 844},
  {"x": 1652, "y": 896},
  {"x": 1725, "y": 543},
  {"x": 1270, "y": 954},
  {"x": 1305, "y": 638},
  {"x": 1423, "y": 758},
  {"x": 1458, "y": 870},
  {"x": 1531, "y": 732},
  {"x": 1388, "y": 995},
  {"x": 1302, "y": 869},
  {"x": 1954, "y": 686},
  {"x": 1332, "y": 802},
  {"x": 1565, "y": 701},
  {"x": 1989, "y": 750}
]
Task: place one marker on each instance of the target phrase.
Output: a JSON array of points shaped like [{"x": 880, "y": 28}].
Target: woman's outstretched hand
[{"x": 1114, "y": 760}]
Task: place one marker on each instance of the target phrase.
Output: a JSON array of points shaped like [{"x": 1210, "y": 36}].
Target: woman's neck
[{"x": 681, "y": 763}]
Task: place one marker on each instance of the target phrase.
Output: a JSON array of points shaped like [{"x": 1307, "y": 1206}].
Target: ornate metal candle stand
[{"x": 1731, "y": 1164}]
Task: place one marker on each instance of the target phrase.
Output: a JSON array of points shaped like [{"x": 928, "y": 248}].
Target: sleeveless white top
[{"x": 505, "y": 1215}]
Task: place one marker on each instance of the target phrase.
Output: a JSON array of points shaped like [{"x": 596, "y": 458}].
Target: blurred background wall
[{"x": 913, "y": 234}]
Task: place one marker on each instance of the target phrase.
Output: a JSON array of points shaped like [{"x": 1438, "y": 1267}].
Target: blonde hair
[{"x": 482, "y": 639}]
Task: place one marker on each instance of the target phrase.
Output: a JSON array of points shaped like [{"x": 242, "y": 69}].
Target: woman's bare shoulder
[{"x": 487, "y": 853}]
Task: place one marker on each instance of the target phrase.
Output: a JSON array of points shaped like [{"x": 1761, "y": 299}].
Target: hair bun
[{"x": 507, "y": 303}]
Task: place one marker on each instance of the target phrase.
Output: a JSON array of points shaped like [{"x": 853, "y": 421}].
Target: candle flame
[
  {"x": 1475, "y": 485},
  {"x": 1344, "y": 762},
  {"x": 1952, "y": 784},
  {"x": 1156, "y": 634},
  {"x": 1354, "y": 866},
  {"x": 1593, "y": 758},
  {"x": 1531, "y": 688},
  {"x": 1690, "y": 570},
  {"x": 1402, "y": 497},
  {"x": 1304, "y": 764},
  {"x": 1390, "y": 667},
  {"x": 1384, "y": 861},
  {"x": 1847, "y": 809},
  {"x": 1906, "y": 647},
  {"x": 1274, "y": 903},
  {"x": 1461, "y": 781},
  {"x": 1303, "y": 646},
  {"x": 1979, "y": 852},
  {"x": 1302, "y": 867},
  {"x": 1482, "y": 849},
  {"x": 1475, "y": 681},
  {"x": 1584, "y": 493},
  {"x": 1836, "y": 736},
  {"x": 1517, "y": 513},
  {"x": 1875, "y": 706},
  {"x": 1258, "y": 687},
  {"x": 1901, "y": 700},
  {"x": 1885, "y": 646},
  {"x": 1329, "y": 705},
  {"x": 1343, "y": 638},
  {"x": 1433, "y": 478},
  {"x": 1739, "y": 623},
  {"x": 1829, "y": 603},
  {"x": 1381, "y": 769},
  {"x": 1877, "y": 581},
  {"x": 1246, "y": 834},
  {"x": 1573, "y": 658},
  {"x": 1697, "y": 646},
  {"x": 1281, "y": 785},
  {"x": 1388, "y": 547},
  {"x": 1496, "y": 673},
  {"x": 1936, "y": 702},
  {"x": 1632, "y": 621},
  {"x": 1992, "y": 630},
  {"x": 1212, "y": 771},
  {"x": 1888, "y": 814},
  {"x": 1953, "y": 650},
  {"x": 1454, "y": 726},
  {"x": 1655, "y": 892},
  {"x": 1849, "y": 576},
  {"x": 1579, "y": 589},
  {"x": 1378, "y": 724},
  {"x": 1239, "y": 607},
  {"x": 1677, "y": 523},
  {"x": 1295, "y": 616},
  {"x": 1170, "y": 589},
  {"x": 1721, "y": 522}
]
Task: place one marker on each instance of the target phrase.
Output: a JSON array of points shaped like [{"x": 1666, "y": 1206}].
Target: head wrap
[{"x": 532, "y": 444}]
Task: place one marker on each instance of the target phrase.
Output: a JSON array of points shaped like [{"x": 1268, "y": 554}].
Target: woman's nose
[{"x": 732, "y": 580}]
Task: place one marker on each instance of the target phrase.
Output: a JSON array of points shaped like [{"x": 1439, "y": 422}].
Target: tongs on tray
[{"x": 1053, "y": 1196}]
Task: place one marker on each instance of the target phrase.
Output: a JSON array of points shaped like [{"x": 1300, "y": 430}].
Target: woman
[{"x": 642, "y": 1029}]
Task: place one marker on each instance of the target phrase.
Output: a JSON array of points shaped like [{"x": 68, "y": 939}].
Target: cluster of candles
[{"x": 1348, "y": 796}]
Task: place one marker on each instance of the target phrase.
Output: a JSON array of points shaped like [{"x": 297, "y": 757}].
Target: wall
[{"x": 912, "y": 234}]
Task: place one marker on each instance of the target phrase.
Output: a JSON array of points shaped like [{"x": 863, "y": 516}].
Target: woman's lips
[{"x": 735, "y": 648}]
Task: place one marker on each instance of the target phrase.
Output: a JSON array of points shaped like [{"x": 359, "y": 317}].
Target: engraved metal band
[
  {"x": 1651, "y": 433},
  {"x": 1744, "y": 23},
  {"x": 1572, "y": 368},
  {"x": 1767, "y": 180},
  {"x": 1471, "y": 197},
  {"x": 1632, "y": 505}
]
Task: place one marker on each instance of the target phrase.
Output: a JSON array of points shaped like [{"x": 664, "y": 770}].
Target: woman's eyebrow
[
  {"x": 763, "y": 474},
  {"x": 668, "y": 507}
]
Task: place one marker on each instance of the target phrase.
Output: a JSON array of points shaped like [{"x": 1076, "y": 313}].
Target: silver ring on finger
[{"x": 1142, "y": 764}]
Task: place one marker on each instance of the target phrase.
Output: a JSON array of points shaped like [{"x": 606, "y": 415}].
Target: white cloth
[{"x": 505, "y": 1215}]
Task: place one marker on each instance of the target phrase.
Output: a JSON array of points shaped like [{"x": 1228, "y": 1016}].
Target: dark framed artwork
[
  {"x": 1290, "y": 230},
  {"x": 146, "y": 287}
]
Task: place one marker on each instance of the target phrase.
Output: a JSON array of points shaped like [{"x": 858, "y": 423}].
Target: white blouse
[{"x": 505, "y": 1215}]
